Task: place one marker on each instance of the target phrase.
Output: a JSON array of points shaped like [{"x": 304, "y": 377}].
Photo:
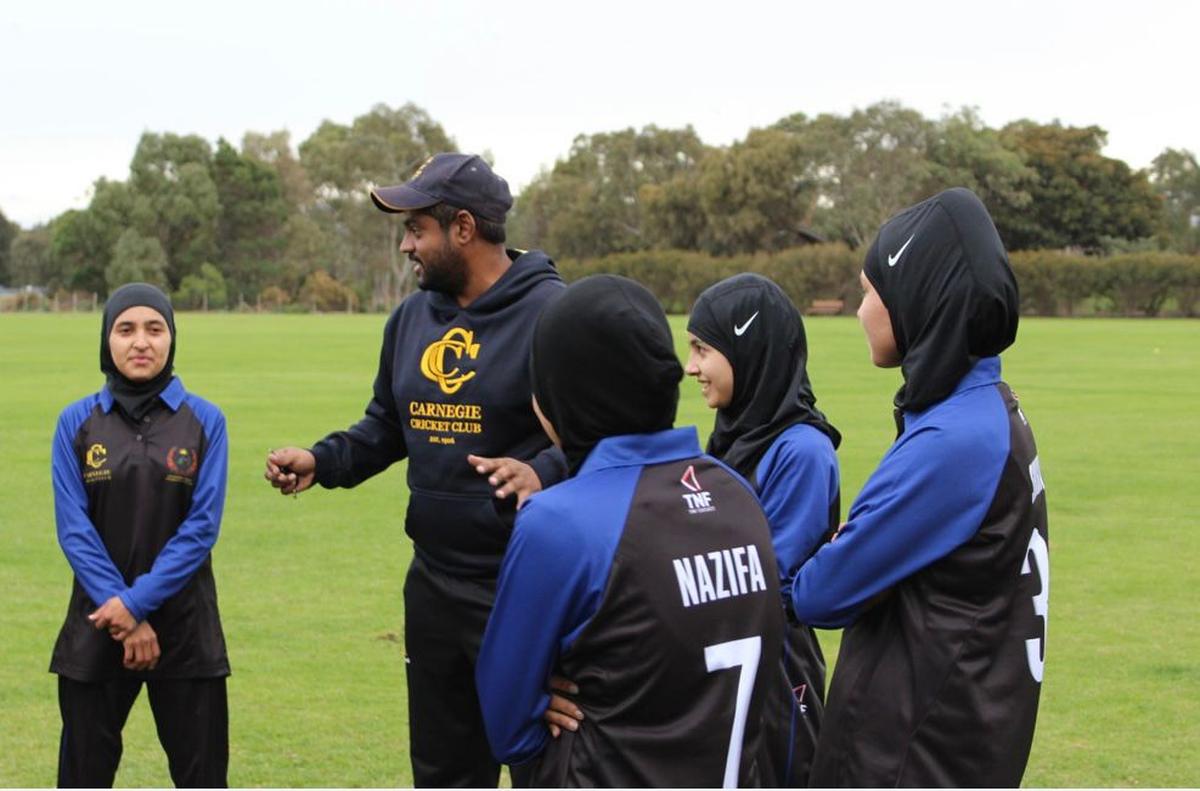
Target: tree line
[{"x": 278, "y": 227}]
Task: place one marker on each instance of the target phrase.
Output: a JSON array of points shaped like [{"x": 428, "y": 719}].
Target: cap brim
[{"x": 401, "y": 198}]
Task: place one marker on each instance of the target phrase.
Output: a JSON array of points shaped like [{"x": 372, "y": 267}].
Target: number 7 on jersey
[{"x": 745, "y": 654}]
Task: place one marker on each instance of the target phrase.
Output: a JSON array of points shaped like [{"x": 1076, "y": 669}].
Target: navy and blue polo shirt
[{"x": 138, "y": 509}]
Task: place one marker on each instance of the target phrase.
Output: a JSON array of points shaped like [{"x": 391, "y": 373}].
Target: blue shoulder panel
[
  {"x": 927, "y": 498},
  {"x": 551, "y": 584},
  {"x": 798, "y": 482},
  {"x": 77, "y": 536}
]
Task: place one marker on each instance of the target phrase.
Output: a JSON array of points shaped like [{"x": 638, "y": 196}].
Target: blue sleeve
[
  {"x": 77, "y": 536},
  {"x": 798, "y": 483},
  {"x": 192, "y": 543},
  {"x": 927, "y": 498},
  {"x": 551, "y": 583}
]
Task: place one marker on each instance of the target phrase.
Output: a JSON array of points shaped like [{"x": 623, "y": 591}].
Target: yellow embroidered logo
[
  {"x": 458, "y": 342},
  {"x": 96, "y": 456}
]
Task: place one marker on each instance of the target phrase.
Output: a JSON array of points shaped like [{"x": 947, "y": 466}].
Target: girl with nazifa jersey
[
  {"x": 748, "y": 352},
  {"x": 607, "y": 581},
  {"x": 940, "y": 575},
  {"x": 138, "y": 472}
]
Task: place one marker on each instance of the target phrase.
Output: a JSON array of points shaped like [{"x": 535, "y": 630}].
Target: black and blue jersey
[
  {"x": 799, "y": 486},
  {"x": 941, "y": 578},
  {"x": 649, "y": 580},
  {"x": 138, "y": 508}
]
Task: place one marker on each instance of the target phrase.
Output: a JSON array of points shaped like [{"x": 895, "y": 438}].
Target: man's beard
[{"x": 445, "y": 272}]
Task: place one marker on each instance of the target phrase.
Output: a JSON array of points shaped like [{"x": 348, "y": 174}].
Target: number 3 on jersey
[
  {"x": 745, "y": 654},
  {"x": 1035, "y": 647}
]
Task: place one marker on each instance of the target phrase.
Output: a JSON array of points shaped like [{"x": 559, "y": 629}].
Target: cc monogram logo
[{"x": 458, "y": 342}]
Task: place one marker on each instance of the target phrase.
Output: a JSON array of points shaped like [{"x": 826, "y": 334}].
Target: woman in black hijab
[
  {"x": 748, "y": 352},
  {"x": 940, "y": 575},
  {"x": 621, "y": 377},
  {"x": 606, "y": 580},
  {"x": 139, "y": 485}
]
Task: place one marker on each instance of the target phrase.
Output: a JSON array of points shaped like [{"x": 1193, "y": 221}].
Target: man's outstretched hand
[
  {"x": 291, "y": 470},
  {"x": 509, "y": 476}
]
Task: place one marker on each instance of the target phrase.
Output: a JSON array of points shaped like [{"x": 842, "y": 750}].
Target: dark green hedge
[
  {"x": 816, "y": 272},
  {"x": 1052, "y": 282}
]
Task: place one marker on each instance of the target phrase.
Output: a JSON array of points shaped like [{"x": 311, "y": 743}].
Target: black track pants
[
  {"x": 444, "y": 619},
  {"x": 191, "y": 716}
]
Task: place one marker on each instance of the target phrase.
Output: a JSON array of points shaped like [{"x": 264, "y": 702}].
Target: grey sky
[{"x": 83, "y": 80}]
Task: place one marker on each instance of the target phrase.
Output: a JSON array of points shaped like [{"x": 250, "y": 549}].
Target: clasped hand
[{"x": 139, "y": 639}]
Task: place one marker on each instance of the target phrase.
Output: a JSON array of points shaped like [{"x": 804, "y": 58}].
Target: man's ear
[{"x": 463, "y": 230}]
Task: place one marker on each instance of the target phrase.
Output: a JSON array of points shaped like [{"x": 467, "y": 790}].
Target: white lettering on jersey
[
  {"x": 1035, "y": 648},
  {"x": 758, "y": 581},
  {"x": 1035, "y": 478},
  {"x": 732, "y": 577},
  {"x": 740, "y": 569},
  {"x": 699, "y": 502},
  {"x": 737, "y": 571},
  {"x": 719, "y": 567},
  {"x": 687, "y": 582},
  {"x": 704, "y": 581}
]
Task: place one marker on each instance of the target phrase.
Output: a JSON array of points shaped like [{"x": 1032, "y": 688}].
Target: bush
[
  {"x": 1051, "y": 282},
  {"x": 1055, "y": 282},
  {"x": 203, "y": 291},
  {"x": 324, "y": 293},
  {"x": 676, "y": 277},
  {"x": 1139, "y": 283},
  {"x": 25, "y": 300},
  {"x": 273, "y": 298},
  {"x": 1187, "y": 284},
  {"x": 816, "y": 272}
]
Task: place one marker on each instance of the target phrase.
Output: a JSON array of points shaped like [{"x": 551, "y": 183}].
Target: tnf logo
[
  {"x": 697, "y": 500},
  {"x": 458, "y": 342}
]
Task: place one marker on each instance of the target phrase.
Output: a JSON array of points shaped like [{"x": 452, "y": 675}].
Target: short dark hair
[{"x": 444, "y": 213}]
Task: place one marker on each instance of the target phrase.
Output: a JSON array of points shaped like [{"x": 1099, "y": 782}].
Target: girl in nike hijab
[
  {"x": 749, "y": 354},
  {"x": 940, "y": 575}
]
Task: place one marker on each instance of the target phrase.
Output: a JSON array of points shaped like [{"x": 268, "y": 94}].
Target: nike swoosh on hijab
[
  {"x": 739, "y": 331},
  {"x": 892, "y": 259}
]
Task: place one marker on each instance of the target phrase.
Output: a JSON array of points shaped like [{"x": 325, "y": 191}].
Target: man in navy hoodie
[{"x": 453, "y": 396}]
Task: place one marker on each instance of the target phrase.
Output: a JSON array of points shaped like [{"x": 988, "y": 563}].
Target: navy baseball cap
[{"x": 462, "y": 180}]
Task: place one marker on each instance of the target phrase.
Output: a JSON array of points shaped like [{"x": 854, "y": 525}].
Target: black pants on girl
[{"x": 191, "y": 716}]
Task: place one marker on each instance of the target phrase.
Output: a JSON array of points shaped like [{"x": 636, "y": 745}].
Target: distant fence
[{"x": 823, "y": 279}]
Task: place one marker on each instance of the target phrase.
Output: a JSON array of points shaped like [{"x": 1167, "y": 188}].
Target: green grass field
[{"x": 311, "y": 587}]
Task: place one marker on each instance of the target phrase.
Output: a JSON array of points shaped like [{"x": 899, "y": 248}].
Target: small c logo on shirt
[{"x": 96, "y": 456}]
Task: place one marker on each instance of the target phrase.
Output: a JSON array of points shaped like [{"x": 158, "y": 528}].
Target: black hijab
[
  {"x": 771, "y": 391},
  {"x": 603, "y": 364},
  {"x": 136, "y": 398},
  {"x": 942, "y": 273}
]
